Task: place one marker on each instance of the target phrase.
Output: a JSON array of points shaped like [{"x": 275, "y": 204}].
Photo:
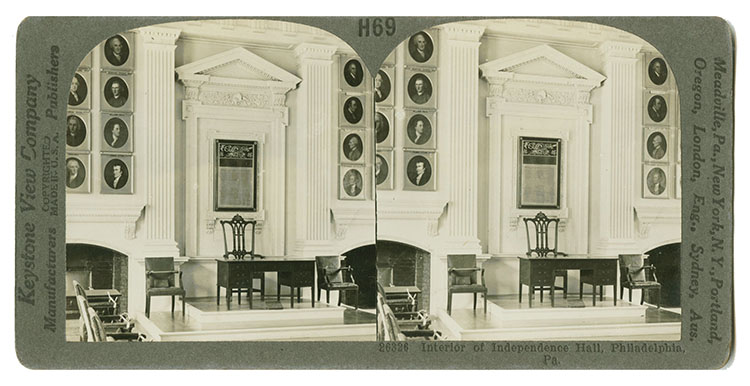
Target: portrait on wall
[
  {"x": 116, "y": 92},
  {"x": 421, "y": 50},
  {"x": 655, "y": 180},
  {"x": 78, "y": 97},
  {"x": 352, "y": 111},
  {"x": 235, "y": 175},
  {"x": 77, "y": 173},
  {"x": 352, "y": 74},
  {"x": 420, "y": 90},
  {"x": 657, "y": 72},
  {"x": 352, "y": 182},
  {"x": 419, "y": 131},
  {"x": 382, "y": 86},
  {"x": 117, "y": 135},
  {"x": 352, "y": 146},
  {"x": 539, "y": 172},
  {"x": 656, "y": 145},
  {"x": 656, "y": 109},
  {"x": 419, "y": 173},
  {"x": 117, "y": 174},
  {"x": 117, "y": 52},
  {"x": 383, "y": 170},
  {"x": 77, "y": 136},
  {"x": 383, "y": 128}
]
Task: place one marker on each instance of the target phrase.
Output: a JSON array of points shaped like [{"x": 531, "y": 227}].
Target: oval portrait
[
  {"x": 419, "y": 129},
  {"x": 78, "y": 90},
  {"x": 657, "y": 71},
  {"x": 381, "y": 169},
  {"x": 116, "y": 50},
  {"x": 382, "y": 127},
  {"x": 656, "y": 180},
  {"x": 75, "y": 172},
  {"x": 116, "y": 174},
  {"x": 382, "y": 86},
  {"x": 420, "y": 47},
  {"x": 352, "y": 182},
  {"x": 419, "y": 89},
  {"x": 353, "y": 73},
  {"x": 352, "y": 147},
  {"x": 657, "y": 108},
  {"x": 76, "y": 133},
  {"x": 419, "y": 170},
  {"x": 353, "y": 110},
  {"x": 656, "y": 145},
  {"x": 116, "y": 91},
  {"x": 116, "y": 132}
]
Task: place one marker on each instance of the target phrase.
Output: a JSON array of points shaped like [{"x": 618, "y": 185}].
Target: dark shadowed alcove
[
  {"x": 362, "y": 259},
  {"x": 666, "y": 259}
]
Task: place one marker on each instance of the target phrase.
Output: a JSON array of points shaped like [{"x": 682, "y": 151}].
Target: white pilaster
[
  {"x": 314, "y": 148},
  {"x": 619, "y": 153},
  {"x": 458, "y": 126},
  {"x": 158, "y": 117}
]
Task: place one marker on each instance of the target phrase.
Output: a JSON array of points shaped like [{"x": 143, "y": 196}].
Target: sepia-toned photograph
[
  {"x": 419, "y": 90},
  {"x": 656, "y": 109},
  {"x": 77, "y": 134},
  {"x": 116, "y": 174},
  {"x": 352, "y": 110},
  {"x": 383, "y": 128},
  {"x": 421, "y": 49},
  {"x": 116, "y": 135},
  {"x": 117, "y": 51},
  {"x": 381, "y": 90},
  {"x": 352, "y": 146},
  {"x": 77, "y": 173},
  {"x": 116, "y": 92},
  {"x": 79, "y": 90},
  {"x": 383, "y": 168},
  {"x": 656, "y": 145},
  {"x": 352, "y": 74},
  {"x": 352, "y": 183},
  {"x": 419, "y": 171},
  {"x": 419, "y": 133}
]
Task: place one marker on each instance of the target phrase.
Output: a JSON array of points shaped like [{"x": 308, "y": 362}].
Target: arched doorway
[
  {"x": 408, "y": 265},
  {"x": 94, "y": 267}
]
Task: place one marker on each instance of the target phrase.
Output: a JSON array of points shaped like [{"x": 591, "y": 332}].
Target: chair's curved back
[
  {"x": 160, "y": 280},
  {"x": 79, "y": 288},
  {"x": 97, "y": 327},
  {"x": 542, "y": 246},
  {"x": 631, "y": 268},
  {"x": 332, "y": 265},
  {"x": 237, "y": 227},
  {"x": 380, "y": 313},
  {"x": 392, "y": 331},
  {"x": 462, "y": 261},
  {"x": 84, "y": 309}
]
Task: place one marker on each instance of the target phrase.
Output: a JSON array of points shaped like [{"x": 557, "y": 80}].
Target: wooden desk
[
  {"x": 99, "y": 300},
  {"x": 399, "y": 296},
  {"x": 540, "y": 271},
  {"x": 239, "y": 274}
]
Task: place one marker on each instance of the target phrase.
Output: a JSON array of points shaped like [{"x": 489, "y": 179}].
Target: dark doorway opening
[
  {"x": 362, "y": 259},
  {"x": 666, "y": 259},
  {"x": 405, "y": 265},
  {"x": 94, "y": 267}
]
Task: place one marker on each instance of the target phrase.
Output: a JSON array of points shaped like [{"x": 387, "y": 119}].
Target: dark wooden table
[
  {"x": 540, "y": 271},
  {"x": 239, "y": 274}
]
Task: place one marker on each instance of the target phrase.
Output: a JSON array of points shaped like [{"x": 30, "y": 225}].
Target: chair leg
[
  {"x": 262, "y": 287},
  {"x": 601, "y": 293},
  {"x": 580, "y": 290},
  {"x": 278, "y": 291},
  {"x": 643, "y": 295},
  {"x": 541, "y": 293},
  {"x": 340, "y": 293},
  {"x": 622, "y": 292},
  {"x": 356, "y": 299},
  {"x": 148, "y": 306},
  {"x": 630, "y": 295},
  {"x": 319, "y": 290},
  {"x": 173, "y": 306},
  {"x": 552, "y": 295},
  {"x": 450, "y": 301},
  {"x": 485, "y": 302},
  {"x": 475, "y": 301},
  {"x": 594, "y": 289},
  {"x": 183, "y": 308},
  {"x": 328, "y": 296},
  {"x": 299, "y": 294},
  {"x": 565, "y": 286}
]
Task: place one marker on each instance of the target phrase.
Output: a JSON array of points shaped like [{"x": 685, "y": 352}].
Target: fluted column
[
  {"x": 314, "y": 152},
  {"x": 458, "y": 107},
  {"x": 620, "y": 126},
  {"x": 158, "y": 117}
]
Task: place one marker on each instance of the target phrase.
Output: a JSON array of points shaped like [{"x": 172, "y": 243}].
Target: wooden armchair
[
  {"x": 331, "y": 278},
  {"x": 635, "y": 274},
  {"x": 160, "y": 281},
  {"x": 112, "y": 321},
  {"x": 464, "y": 277},
  {"x": 395, "y": 326},
  {"x": 543, "y": 248},
  {"x": 94, "y": 330},
  {"x": 237, "y": 234}
]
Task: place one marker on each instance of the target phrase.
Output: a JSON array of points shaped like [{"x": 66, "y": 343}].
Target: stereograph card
[{"x": 296, "y": 163}]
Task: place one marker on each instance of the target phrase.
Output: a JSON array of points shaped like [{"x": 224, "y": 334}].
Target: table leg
[
  {"x": 520, "y": 290},
  {"x": 614, "y": 287},
  {"x": 531, "y": 291},
  {"x": 218, "y": 294},
  {"x": 229, "y": 297},
  {"x": 594, "y": 289},
  {"x": 552, "y": 294},
  {"x": 291, "y": 296},
  {"x": 601, "y": 293}
]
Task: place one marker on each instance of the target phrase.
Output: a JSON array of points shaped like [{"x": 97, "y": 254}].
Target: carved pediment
[
  {"x": 237, "y": 67},
  {"x": 542, "y": 64}
]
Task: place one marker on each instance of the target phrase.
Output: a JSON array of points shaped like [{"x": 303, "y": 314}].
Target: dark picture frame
[
  {"x": 117, "y": 52},
  {"x": 117, "y": 174},
  {"x": 78, "y": 173},
  {"x": 235, "y": 175},
  {"x": 117, "y": 92},
  {"x": 79, "y": 93},
  {"x": 657, "y": 72},
  {"x": 420, "y": 91},
  {"x": 420, "y": 130},
  {"x": 351, "y": 182},
  {"x": 383, "y": 128},
  {"x": 656, "y": 181},
  {"x": 539, "y": 173},
  {"x": 421, "y": 50},
  {"x": 352, "y": 74},
  {"x": 352, "y": 146},
  {"x": 419, "y": 171},
  {"x": 117, "y": 133},
  {"x": 382, "y": 89},
  {"x": 656, "y": 109},
  {"x": 656, "y": 145},
  {"x": 383, "y": 169},
  {"x": 78, "y": 131},
  {"x": 352, "y": 110}
]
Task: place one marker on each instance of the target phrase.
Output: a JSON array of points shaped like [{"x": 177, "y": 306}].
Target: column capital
[
  {"x": 462, "y": 32},
  {"x": 160, "y": 35},
  {"x": 614, "y": 49},
  {"x": 306, "y": 51}
]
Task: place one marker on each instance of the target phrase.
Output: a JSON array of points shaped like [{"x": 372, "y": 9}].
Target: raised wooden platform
[
  {"x": 571, "y": 319},
  {"x": 207, "y": 321}
]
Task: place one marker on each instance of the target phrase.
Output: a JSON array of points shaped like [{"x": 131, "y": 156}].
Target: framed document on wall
[
  {"x": 236, "y": 176},
  {"x": 539, "y": 172}
]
